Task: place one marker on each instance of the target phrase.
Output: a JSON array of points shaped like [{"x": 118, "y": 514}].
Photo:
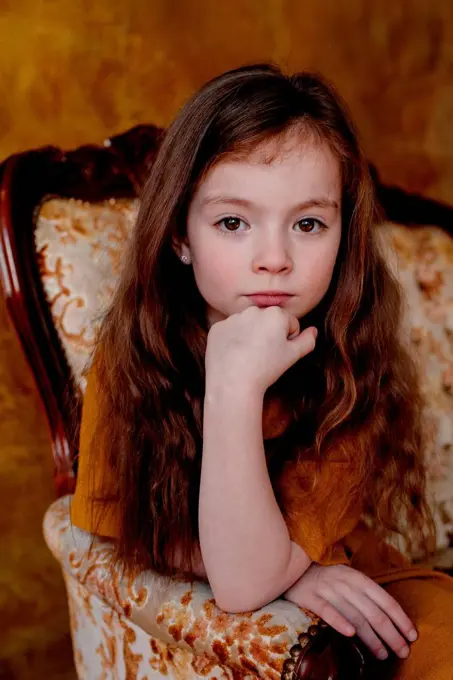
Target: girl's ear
[{"x": 182, "y": 250}]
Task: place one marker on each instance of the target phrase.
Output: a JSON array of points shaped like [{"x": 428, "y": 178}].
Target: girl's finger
[
  {"x": 360, "y": 623},
  {"x": 329, "y": 614},
  {"x": 305, "y": 342},
  {"x": 293, "y": 328},
  {"x": 378, "y": 619},
  {"x": 391, "y": 607}
]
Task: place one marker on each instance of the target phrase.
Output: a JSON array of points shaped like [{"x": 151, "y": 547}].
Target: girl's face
[{"x": 266, "y": 227}]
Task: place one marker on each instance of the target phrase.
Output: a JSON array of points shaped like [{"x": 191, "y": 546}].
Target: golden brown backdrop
[{"x": 76, "y": 72}]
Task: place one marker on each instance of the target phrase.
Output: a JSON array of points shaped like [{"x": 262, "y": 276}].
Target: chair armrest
[{"x": 279, "y": 640}]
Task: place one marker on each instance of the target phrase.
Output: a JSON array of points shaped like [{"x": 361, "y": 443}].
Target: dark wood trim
[
  {"x": 90, "y": 173},
  {"x": 411, "y": 209},
  {"x": 322, "y": 652}
]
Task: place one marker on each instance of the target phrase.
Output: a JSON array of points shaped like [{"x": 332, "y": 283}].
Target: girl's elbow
[
  {"x": 237, "y": 605},
  {"x": 249, "y": 592},
  {"x": 237, "y": 598}
]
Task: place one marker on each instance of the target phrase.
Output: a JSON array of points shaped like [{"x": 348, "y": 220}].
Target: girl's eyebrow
[{"x": 319, "y": 202}]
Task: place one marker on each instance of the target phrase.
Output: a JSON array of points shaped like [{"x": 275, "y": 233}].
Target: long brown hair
[{"x": 357, "y": 393}]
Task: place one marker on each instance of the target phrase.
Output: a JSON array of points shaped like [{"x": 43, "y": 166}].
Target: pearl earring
[{"x": 184, "y": 259}]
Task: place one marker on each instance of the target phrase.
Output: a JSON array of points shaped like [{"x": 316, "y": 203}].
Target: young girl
[{"x": 252, "y": 417}]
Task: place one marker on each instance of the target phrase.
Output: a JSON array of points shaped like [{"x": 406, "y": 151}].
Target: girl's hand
[
  {"x": 342, "y": 596},
  {"x": 256, "y": 346}
]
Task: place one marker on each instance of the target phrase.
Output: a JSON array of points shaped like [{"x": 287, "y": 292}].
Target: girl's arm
[{"x": 245, "y": 545}]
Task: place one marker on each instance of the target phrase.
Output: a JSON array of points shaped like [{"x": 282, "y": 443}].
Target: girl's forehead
[
  {"x": 293, "y": 156},
  {"x": 276, "y": 149}
]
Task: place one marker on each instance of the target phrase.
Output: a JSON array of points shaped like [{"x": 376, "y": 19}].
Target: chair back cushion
[
  {"x": 422, "y": 259},
  {"x": 80, "y": 246}
]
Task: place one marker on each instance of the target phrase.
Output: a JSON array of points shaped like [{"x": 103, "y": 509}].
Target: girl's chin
[{"x": 213, "y": 316}]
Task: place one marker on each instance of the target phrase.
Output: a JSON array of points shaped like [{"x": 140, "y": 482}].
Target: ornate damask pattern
[
  {"x": 422, "y": 259},
  {"x": 80, "y": 246},
  {"x": 153, "y": 626}
]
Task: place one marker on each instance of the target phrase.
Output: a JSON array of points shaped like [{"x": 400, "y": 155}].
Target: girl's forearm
[{"x": 247, "y": 552}]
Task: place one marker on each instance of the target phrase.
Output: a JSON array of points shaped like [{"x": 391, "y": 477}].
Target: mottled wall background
[
  {"x": 77, "y": 71},
  {"x": 73, "y": 72}
]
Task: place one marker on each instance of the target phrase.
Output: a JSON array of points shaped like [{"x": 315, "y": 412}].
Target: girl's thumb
[{"x": 305, "y": 342}]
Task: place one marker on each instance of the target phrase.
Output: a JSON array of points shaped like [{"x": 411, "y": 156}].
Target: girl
[{"x": 252, "y": 417}]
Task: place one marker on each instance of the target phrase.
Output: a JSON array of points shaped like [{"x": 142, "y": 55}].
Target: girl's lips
[{"x": 269, "y": 299}]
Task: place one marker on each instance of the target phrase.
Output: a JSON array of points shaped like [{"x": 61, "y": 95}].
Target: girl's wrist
[{"x": 226, "y": 388}]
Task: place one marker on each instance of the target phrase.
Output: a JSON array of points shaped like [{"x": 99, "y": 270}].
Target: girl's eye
[
  {"x": 310, "y": 224},
  {"x": 230, "y": 224}
]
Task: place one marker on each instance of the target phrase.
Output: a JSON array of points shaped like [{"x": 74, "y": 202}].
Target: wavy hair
[{"x": 357, "y": 393}]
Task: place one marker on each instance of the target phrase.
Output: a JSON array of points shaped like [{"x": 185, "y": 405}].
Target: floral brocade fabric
[{"x": 151, "y": 626}]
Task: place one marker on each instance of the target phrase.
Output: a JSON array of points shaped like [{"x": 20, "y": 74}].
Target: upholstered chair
[{"x": 65, "y": 218}]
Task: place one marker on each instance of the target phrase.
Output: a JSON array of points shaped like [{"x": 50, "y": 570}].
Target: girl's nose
[{"x": 272, "y": 255}]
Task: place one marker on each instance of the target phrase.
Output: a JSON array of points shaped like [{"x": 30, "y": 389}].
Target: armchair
[{"x": 64, "y": 219}]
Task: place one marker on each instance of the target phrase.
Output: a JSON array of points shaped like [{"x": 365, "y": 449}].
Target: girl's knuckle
[
  {"x": 325, "y": 589},
  {"x": 393, "y": 639},
  {"x": 325, "y": 609},
  {"x": 379, "y": 620},
  {"x": 398, "y": 611},
  {"x": 334, "y": 618},
  {"x": 359, "y": 621},
  {"x": 367, "y": 583},
  {"x": 339, "y": 622},
  {"x": 346, "y": 589},
  {"x": 348, "y": 575}
]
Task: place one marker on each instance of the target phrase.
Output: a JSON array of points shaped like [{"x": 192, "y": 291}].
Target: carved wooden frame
[{"x": 90, "y": 173}]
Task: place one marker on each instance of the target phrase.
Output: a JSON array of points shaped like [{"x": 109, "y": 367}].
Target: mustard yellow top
[
  {"x": 308, "y": 516},
  {"x": 94, "y": 474}
]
